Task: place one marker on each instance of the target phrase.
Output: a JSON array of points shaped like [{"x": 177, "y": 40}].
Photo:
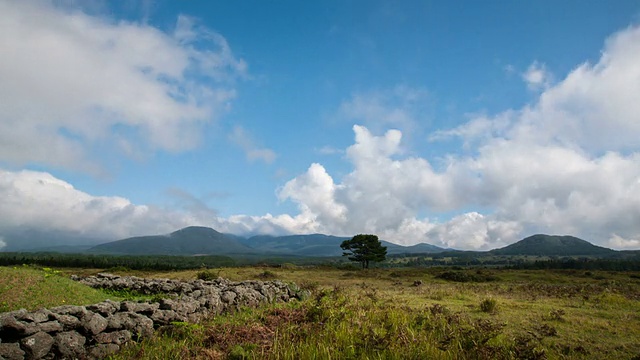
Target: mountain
[
  {"x": 553, "y": 245},
  {"x": 202, "y": 240},
  {"x": 422, "y": 248},
  {"x": 323, "y": 245},
  {"x": 302, "y": 245},
  {"x": 193, "y": 240}
]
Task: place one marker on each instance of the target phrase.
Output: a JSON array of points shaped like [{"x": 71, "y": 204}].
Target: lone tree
[{"x": 364, "y": 248}]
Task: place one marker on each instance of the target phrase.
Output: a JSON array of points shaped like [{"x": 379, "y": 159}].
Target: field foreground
[{"x": 435, "y": 313}]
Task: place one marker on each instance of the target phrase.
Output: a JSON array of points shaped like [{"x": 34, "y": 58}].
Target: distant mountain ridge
[
  {"x": 196, "y": 240},
  {"x": 553, "y": 245},
  {"x": 192, "y": 240}
]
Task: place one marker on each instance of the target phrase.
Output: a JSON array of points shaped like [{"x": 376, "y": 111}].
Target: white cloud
[
  {"x": 479, "y": 128},
  {"x": 401, "y": 107},
  {"x": 38, "y": 200},
  {"x": 618, "y": 242},
  {"x": 537, "y": 76},
  {"x": 384, "y": 196},
  {"x": 253, "y": 152},
  {"x": 72, "y": 82},
  {"x": 569, "y": 163},
  {"x": 528, "y": 188},
  {"x": 474, "y": 230},
  {"x": 315, "y": 192}
]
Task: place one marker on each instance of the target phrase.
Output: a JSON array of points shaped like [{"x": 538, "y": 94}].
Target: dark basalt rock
[{"x": 97, "y": 331}]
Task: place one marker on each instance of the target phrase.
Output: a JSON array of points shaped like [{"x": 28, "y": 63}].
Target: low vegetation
[
  {"x": 34, "y": 287},
  {"x": 409, "y": 313},
  {"x": 418, "y": 314},
  {"x": 113, "y": 261}
]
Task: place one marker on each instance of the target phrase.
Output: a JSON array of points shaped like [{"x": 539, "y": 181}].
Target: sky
[{"x": 462, "y": 124}]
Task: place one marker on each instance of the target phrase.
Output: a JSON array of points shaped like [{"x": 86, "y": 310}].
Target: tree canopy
[{"x": 363, "y": 249}]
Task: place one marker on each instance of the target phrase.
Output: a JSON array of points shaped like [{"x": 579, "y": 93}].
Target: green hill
[
  {"x": 193, "y": 240},
  {"x": 422, "y": 248},
  {"x": 301, "y": 245},
  {"x": 553, "y": 245},
  {"x": 322, "y": 245}
]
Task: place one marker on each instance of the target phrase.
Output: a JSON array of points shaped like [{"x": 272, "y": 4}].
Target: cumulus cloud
[
  {"x": 569, "y": 163},
  {"x": 73, "y": 83},
  {"x": 384, "y": 195},
  {"x": 252, "y": 151},
  {"x": 315, "y": 194},
  {"x": 34, "y": 200},
  {"x": 473, "y": 230}
]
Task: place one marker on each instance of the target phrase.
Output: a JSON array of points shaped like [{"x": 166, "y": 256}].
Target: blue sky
[{"x": 462, "y": 124}]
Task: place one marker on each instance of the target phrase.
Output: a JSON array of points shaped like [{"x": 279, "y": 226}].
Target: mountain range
[{"x": 197, "y": 240}]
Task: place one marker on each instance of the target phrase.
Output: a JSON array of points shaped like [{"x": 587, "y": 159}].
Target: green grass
[
  {"x": 387, "y": 314},
  {"x": 33, "y": 288},
  {"x": 381, "y": 314}
]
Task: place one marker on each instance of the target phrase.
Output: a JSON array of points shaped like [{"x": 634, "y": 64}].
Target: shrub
[
  {"x": 267, "y": 275},
  {"x": 207, "y": 275},
  {"x": 489, "y": 305}
]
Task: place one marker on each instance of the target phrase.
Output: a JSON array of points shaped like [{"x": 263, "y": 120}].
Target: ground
[{"x": 440, "y": 313}]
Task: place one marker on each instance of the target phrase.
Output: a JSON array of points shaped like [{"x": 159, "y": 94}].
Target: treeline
[
  {"x": 151, "y": 262},
  {"x": 166, "y": 262},
  {"x": 580, "y": 264},
  {"x": 519, "y": 262}
]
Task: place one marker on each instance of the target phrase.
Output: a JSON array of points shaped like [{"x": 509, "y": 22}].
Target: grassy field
[
  {"x": 434, "y": 313},
  {"x": 33, "y": 288}
]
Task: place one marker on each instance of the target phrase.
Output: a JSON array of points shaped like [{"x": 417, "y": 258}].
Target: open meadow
[{"x": 402, "y": 313}]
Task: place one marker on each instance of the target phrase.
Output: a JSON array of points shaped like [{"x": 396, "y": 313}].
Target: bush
[
  {"x": 489, "y": 305},
  {"x": 267, "y": 275},
  {"x": 207, "y": 275}
]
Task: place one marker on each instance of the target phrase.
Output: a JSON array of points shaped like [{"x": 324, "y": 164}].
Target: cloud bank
[{"x": 38, "y": 200}]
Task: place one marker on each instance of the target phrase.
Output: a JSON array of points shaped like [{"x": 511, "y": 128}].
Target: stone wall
[{"x": 95, "y": 331}]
